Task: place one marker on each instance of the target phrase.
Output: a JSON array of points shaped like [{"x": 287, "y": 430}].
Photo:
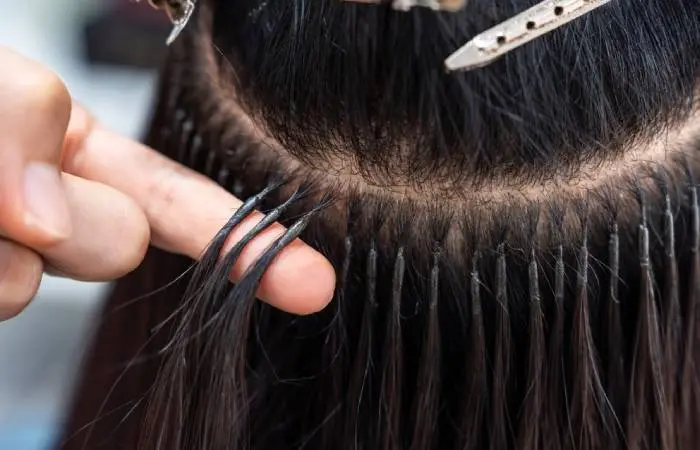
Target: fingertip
[{"x": 299, "y": 281}]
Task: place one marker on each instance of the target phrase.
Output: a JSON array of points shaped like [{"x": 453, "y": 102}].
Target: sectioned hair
[{"x": 563, "y": 322}]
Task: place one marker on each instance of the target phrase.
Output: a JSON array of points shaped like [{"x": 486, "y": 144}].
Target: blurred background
[{"x": 107, "y": 52}]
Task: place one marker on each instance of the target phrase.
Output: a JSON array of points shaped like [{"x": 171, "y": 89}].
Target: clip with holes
[
  {"x": 406, "y": 5},
  {"x": 519, "y": 30}
]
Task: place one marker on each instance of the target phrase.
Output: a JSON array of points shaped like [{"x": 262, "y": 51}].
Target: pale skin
[{"x": 82, "y": 202}]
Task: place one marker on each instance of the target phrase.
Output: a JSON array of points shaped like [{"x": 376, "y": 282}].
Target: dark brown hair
[{"x": 461, "y": 319}]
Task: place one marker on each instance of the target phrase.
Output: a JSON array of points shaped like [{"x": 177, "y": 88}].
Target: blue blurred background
[{"x": 40, "y": 350}]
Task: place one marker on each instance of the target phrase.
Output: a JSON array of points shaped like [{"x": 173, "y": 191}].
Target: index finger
[{"x": 185, "y": 211}]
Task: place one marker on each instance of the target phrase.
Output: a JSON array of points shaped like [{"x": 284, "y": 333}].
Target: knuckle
[
  {"x": 163, "y": 193},
  {"x": 44, "y": 91},
  {"x": 80, "y": 125}
]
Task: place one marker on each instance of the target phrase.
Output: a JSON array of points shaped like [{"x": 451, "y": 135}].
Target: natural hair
[{"x": 508, "y": 278}]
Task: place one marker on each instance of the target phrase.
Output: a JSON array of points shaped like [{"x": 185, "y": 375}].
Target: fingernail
[{"x": 45, "y": 200}]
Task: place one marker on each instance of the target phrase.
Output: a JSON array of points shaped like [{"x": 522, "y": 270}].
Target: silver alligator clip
[
  {"x": 406, "y": 5},
  {"x": 519, "y": 30},
  {"x": 179, "y": 12},
  {"x": 490, "y": 45}
]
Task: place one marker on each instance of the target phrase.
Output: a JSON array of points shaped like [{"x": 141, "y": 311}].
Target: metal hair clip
[
  {"x": 406, "y": 5},
  {"x": 179, "y": 12},
  {"x": 519, "y": 30}
]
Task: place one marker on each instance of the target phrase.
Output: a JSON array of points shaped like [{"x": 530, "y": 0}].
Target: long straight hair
[
  {"x": 578, "y": 331},
  {"x": 563, "y": 323}
]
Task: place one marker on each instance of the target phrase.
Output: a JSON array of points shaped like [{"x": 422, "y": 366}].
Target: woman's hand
[{"x": 80, "y": 201}]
